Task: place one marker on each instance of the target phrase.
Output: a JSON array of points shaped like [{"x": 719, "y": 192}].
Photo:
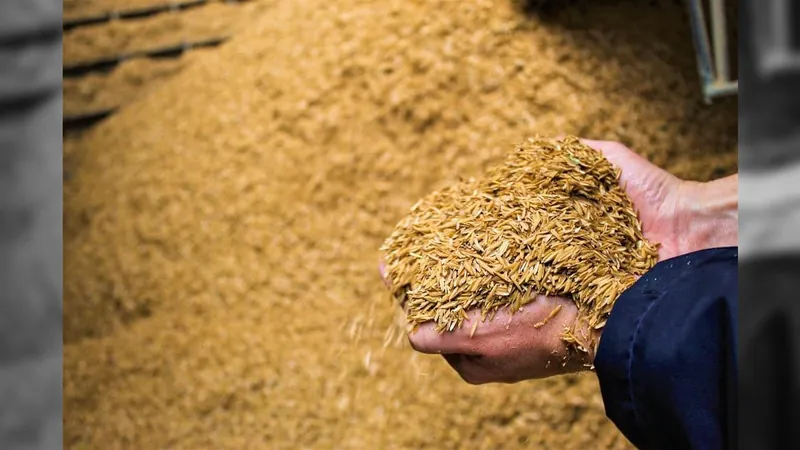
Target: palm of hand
[{"x": 654, "y": 192}]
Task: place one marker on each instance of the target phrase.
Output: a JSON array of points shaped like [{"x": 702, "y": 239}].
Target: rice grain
[{"x": 554, "y": 203}]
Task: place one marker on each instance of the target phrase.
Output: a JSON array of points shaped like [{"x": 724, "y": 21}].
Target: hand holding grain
[
  {"x": 528, "y": 344},
  {"x": 508, "y": 348},
  {"x": 682, "y": 216}
]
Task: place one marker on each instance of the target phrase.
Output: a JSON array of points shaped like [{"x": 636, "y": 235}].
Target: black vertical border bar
[
  {"x": 31, "y": 240},
  {"x": 769, "y": 239}
]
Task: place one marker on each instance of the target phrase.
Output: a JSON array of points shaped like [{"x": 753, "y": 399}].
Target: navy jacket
[{"x": 667, "y": 361}]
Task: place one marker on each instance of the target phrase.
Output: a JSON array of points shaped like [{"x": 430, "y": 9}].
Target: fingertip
[
  {"x": 382, "y": 270},
  {"x": 427, "y": 339},
  {"x": 420, "y": 339}
]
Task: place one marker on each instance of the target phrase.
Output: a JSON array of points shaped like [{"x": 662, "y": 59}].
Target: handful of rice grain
[{"x": 551, "y": 220}]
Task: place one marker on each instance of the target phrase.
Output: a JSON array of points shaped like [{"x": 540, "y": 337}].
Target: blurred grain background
[{"x": 221, "y": 227}]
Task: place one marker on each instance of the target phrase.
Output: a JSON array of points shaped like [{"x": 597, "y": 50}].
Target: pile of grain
[
  {"x": 551, "y": 220},
  {"x": 116, "y": 38},
  {"x": 221, "y": 288},
  {"x": 81, "y": 9},
  {"x": 130, "y": 80}
]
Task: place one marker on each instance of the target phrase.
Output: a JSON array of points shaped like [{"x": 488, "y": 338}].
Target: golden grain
[
  {"x": 549, "y": 317},
  {"x": 555, "y": 202}
]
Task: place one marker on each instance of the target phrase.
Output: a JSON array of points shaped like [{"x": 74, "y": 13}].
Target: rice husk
[
  {"x": 551, "y": 220},
  {"x": 221, "y": 288},
  {"x": 118, "y": 38},
  {"x": 130, "y": 80}
]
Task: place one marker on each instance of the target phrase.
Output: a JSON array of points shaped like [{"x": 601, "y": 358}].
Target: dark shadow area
[
  {"x": 84, "y": 121},
  {"x": 542, "y": 7},
  {"x": 106, "y": 65},
  {"x": 550, "y": 8},
  {"x": 134, "y": 13}
]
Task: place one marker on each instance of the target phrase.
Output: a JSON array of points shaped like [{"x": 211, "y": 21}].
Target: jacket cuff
[{"x": 623, "y": 340}]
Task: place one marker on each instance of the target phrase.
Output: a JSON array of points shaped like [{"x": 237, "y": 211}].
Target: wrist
[
  {"x": 582, "y": 348},
  {"x": 707, "y": 215}
]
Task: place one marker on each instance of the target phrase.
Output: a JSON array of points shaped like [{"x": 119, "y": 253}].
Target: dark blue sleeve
[{"x": 667, "y": 357}]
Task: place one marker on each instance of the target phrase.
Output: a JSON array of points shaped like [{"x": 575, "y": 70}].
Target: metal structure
[{"x": 713, "y": 53}]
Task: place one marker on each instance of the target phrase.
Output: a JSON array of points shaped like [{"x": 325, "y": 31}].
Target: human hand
[
  {"x": 509, "y": 347},
  {"x": 682, "y": 216}
]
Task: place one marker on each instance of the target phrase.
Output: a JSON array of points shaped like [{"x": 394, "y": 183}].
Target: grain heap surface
[
  {"x": 552, "y": 220},
  {"x": 81, "y": 9},
  {"x": 128, "y": 81},
  {"x": 221, "y": 234},
  {"x": 117, "y": 38}
]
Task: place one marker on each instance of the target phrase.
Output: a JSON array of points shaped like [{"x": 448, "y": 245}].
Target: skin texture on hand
[{"x": 682, "y": 216}]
